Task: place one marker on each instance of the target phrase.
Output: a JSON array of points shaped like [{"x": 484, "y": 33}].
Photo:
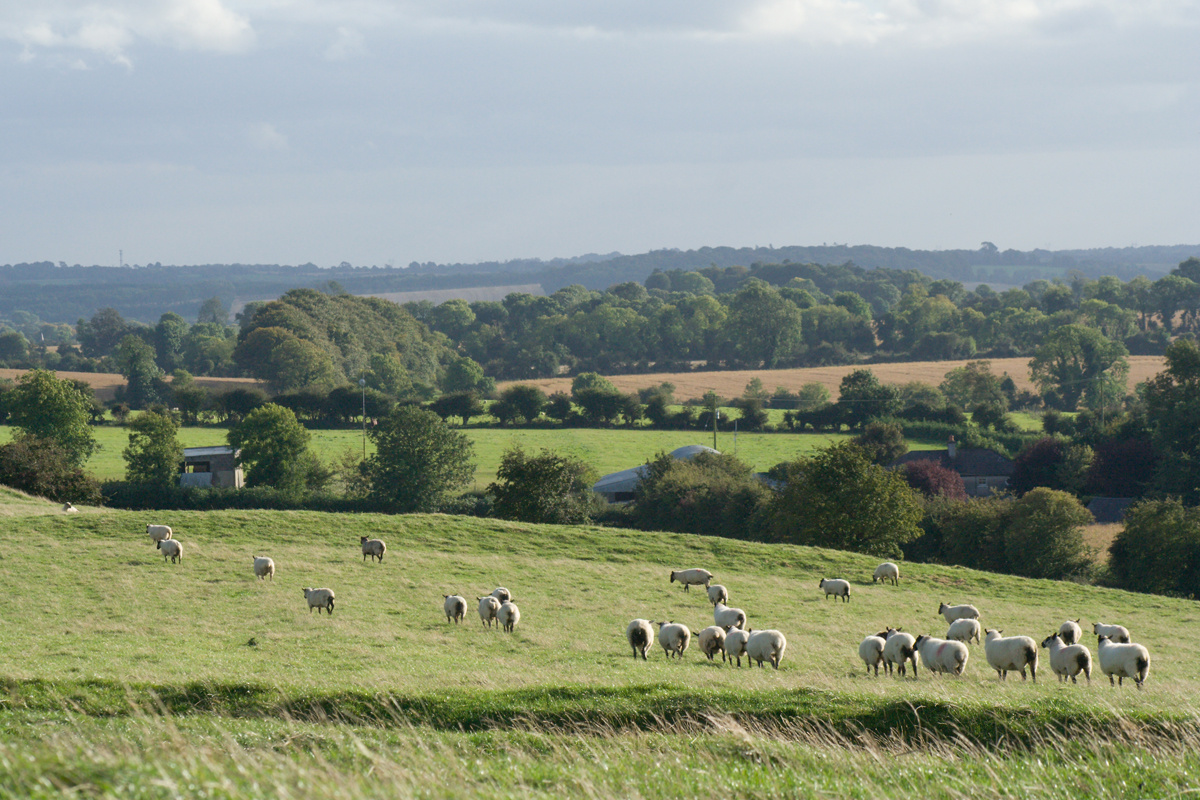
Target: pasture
[{"x": 127, "y": 676}]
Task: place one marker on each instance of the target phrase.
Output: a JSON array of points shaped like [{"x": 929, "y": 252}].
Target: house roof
[
  {"x": 201, "y": 452},
  {"x": 627, "y": 480},
  {"x": 968, "y": 461},
  {"x": 1109, "y": 509}
]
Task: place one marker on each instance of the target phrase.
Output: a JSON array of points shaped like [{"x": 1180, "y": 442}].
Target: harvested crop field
[
  {"x": 733, "y": 382},
  {"x": 105, "y": 383}
]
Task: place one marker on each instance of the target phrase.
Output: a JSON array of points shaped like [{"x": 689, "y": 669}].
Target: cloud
[
  {"x": 264, "y": 136},
  {"x": 347, "y": 43}
]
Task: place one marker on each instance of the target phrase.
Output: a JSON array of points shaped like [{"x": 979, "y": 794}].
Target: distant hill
[{"x": 61, "y": 293}]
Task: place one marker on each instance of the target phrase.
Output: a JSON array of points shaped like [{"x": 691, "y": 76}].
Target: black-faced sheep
[
  {"x": 1006, "y": 653},
  {"x": 264, "y": 568},
  {"x": 1068, "y": 660},
  {"x": 887, "y": 571},
  {"x": 455, "y": 608},
  {"x": 692, "y": 577},
  {"x": 1123, "y": 660},
  {"x": 639, "y": 634},
  {"x": 835, "y": 587},
  {"x": 171, "y": 549},
  {"x": 320, "y": 599},
  {"x": 375, "y": 548}
]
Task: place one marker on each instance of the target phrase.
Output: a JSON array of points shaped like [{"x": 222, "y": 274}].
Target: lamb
[
  {"x": 264, "y": 568},
  {"x": 887, "y": 571},
  {"x": 735, "y": 645},
  {"x": 455, "y": 607},
  {"x": 639, "y": 635},
  {"x": 158, "y": 532},
  {"x": 508, "y": 615},
  {"x": 692, "y": 577},
  {"x": 375, "y": 548},
  {"x": 963, "y": 630},
  {"x": 488, "y": 606},
  {"x": 502, "y": 594},
  {"x": 898, "y": 648},
  {"x": 1067, "y": 661},
  {"x": 1006, "y": 653},
  {"x": 1070, "y": 632},
  {"x": 674, "y": 638},
  {"x": 170, "y": 549},
  {"x": 319, "y": 599},
  {"x": 836, "y": 587},
  {"x": 1117, "y": 634},
  {"x": 728, "y": 618},
  {"x": 951, "y": 613},
  {"x": 69, "y": 509},
  {"x": 766, "y": 646},
  {"x": 1125, "y": 660},
  {"x": 871, "y": 652},
  {"x": 940, "y": 655},
  {"x": 718, "y": 594},
  {"x": 712, "y": 641}
]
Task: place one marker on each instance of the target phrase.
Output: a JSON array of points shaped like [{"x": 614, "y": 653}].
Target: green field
[{"x": 125, "y": 676}]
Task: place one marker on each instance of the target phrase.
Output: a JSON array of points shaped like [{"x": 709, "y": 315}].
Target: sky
[{"x": 383, "y": 132}]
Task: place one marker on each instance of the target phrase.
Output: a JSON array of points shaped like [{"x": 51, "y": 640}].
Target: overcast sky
[{"x": 369, "y": 131}]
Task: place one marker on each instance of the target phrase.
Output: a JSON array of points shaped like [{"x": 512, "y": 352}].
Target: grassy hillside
[{"x": 107, "y": 653}]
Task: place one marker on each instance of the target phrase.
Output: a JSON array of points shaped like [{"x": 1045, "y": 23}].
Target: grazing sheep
[
  {"x": 692, "y": 577},
  {"x": 264, "y": 568},
  {"x": 488, "y": 606},
  {"x": 375, "y": 548},
  {"x": 1070, "y": 632},
  {"x": 963, "y": 630},
  {"x": 712, "y": 641},
  {"x": 735, "y": 645},
  {"x": 836, "y": 587},
  {"x": 718, "y": 594},
  {"x": 939, "y": 655},
  {"x": 158, "y": 533},
  {"x": 871, "y": 652},
  {"x": 1124, "y": 660},
  {"x": 728, "y": 618},
  {"x": 508, "y": 615},
  {"x": 320, "y": 599},
  {"x": 1006, "y": 653},
  {"x": 69, "y": 509},
  {"x": 639, "y": 635},
  {"x": 887, "y": 571},
  {"x": 455, "y": 608},
  {"x": 766, "y": 646},
  {"x": 951, "y": 613},
  {"x": 502, "y": 594},
  {"x": 170, "y": 549},
  {"x": 674, "y": 638},
  {"x": 1118, "y": 634},
  {"x": 1068, "y": 660},
  {"x": 899, "y": 648}
]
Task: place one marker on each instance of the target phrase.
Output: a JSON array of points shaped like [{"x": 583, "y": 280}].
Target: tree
[
  {"x": 713, "y": 494},
  {"x": 236, "y": 404},
  {"x": 861, "y": 397},
  {"x": 546, "y": 487},
  {"x": 465, "y": 375},
  {"x": 972, "y": 384},
  {"x": 169, "y": 335},
  {"x": 812, "y": 396},
  {"x": 284, "y": 360},
  {"x": 934, "y": 480},
  {"x": 44, "y": 468},
  {"x": 1050, "y": 463},
  {"x": 753, "y": 417},
  {"x": 44, "y": 407},
  {"x": 1122, "y": 467},
  {"x": 1073, "y": 355},
  {"x": 389, "y": 376},
  {"x": 14, "y": 347},
  {"x": 1173, "y": 414},
  {"x": 1158, "y": 550},
  {"x": 882, "y": 442},
  {"x": 274, "y": 448},
  {"x": 459, "y": 404},
  {"x": 526, "y": 401},
  {"x": 154, "y": 455},
  {"x": 762, "y": 327},
  {"x": 136, "y": 361},
  {"x": 837, "y": 498},
  {"x": 213, "y": 310},
  {"x": 1044, "y": 535},
  {"x": 186, "y": 395},
  {"x": 590, "y": 381},
  {"x": 418, "y": 460},
  {"x": 98, "y": 336}
]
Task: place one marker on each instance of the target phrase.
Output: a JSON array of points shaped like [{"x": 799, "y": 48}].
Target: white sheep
[
  {"x": 157, "y": 533},
  {"x": 899, "y": 648},
  {"x": 692, "y": 577},
  {"x": 375, "y": 548},
  {"x": 963, "y": 630},
  {"x": 836, "y": 587},
  {"x": 488, "y": 606},
  {"x": 870, "y": 650},
  {"x": 718, "y": 594},
  {"x": 766, "y": 646},
  {"x": 951, "y": 613},
  {"x": 1068, "y": 660},
  {"x": 264, "y": 568},
  {"x": 887, "y": 571},
  {"x": 69, "y": 509},
  {"x": 639, "y": 634},
  {"x": 939, "y": 655},
  {"x": 728, "y": 618},
  {"x": 735, "y": 645},
  {"x": 1117, "y": 634},
  {"x": 508, "y": 615},
  {"x": 170, "y": 549},
  {"x": 320, "y": 599},
  {"x": 674, "y": 638},
  {"x": 455, "y": 608},
  {"x": 712, "y": 641},
  {"x": 502, "y": 594},
  {"x": 1070, "y": 632},
  {"x": 1006, "y": 653},
  {"x": 1124, "y": 660}
]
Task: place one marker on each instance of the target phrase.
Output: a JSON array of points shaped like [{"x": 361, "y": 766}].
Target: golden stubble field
[
  {"x": 105, "y": 384},
  {"x": 733, "y": 382}
]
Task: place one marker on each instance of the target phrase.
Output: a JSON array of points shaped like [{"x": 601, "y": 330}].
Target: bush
[
  {"x": 44, "y": 468},
  {"x": 713, "y": 494},
  {"x": 1044, "y": 536},
  {"x": 934, "y": 480},
  {"x": 543, "y": 488},
  {"x": 883, "y": 442},
  {"x": 971, "y": 532},
  {"x": 1159, "y": 549}
]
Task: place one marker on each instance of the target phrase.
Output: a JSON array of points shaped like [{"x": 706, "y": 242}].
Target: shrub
[
  {"x": 713, "y": 494},
  {"x": 419, "y": 460},
  {"x": 45, "y": 468},
  {"x": 1044, "y": 535},
  {"x": 546, "y": 487},
  {"x": 883, "y": 442},
  {"x": 972, "y": 532},
  {"x": 1158, "y": 551},
  {"x": 934, "y": 480}
]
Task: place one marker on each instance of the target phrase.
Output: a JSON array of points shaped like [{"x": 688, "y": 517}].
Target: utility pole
[
  {"x": 362, "y": 384},
  {"x": 716, "y": 416}
]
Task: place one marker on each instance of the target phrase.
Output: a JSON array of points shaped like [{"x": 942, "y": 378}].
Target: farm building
[
  {"x": 984, "y": 472},
  {"x": 618, "y": 487},
  {"x": 211, "y": 467}
]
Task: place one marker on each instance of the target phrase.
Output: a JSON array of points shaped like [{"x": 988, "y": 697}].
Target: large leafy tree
[
  {"x": 713, "y": 494},
  {"x": 154, "y": 454},
  {"x": 1074, "y": 356},
  {"x": 1158, "y": 550},
  {"x": 284, "y": 360},
  {"x": 419, "y": 460},
  {"x": 973, "y": 384},
  {"x": 546, "y": 487},
  {"x": 99, "y": 335},
  {"x": 861, "y": 397},
  {"x": 274, "y": 448},
  {"x": 44, "y": 407},
  {"x": 136, "y": 361},
  {"x": 762, "y": 326},
  {"x": 1043, "y": 537},
  {"x": 169, "y": 335},
  {"x": 1173, "y": 412}
]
